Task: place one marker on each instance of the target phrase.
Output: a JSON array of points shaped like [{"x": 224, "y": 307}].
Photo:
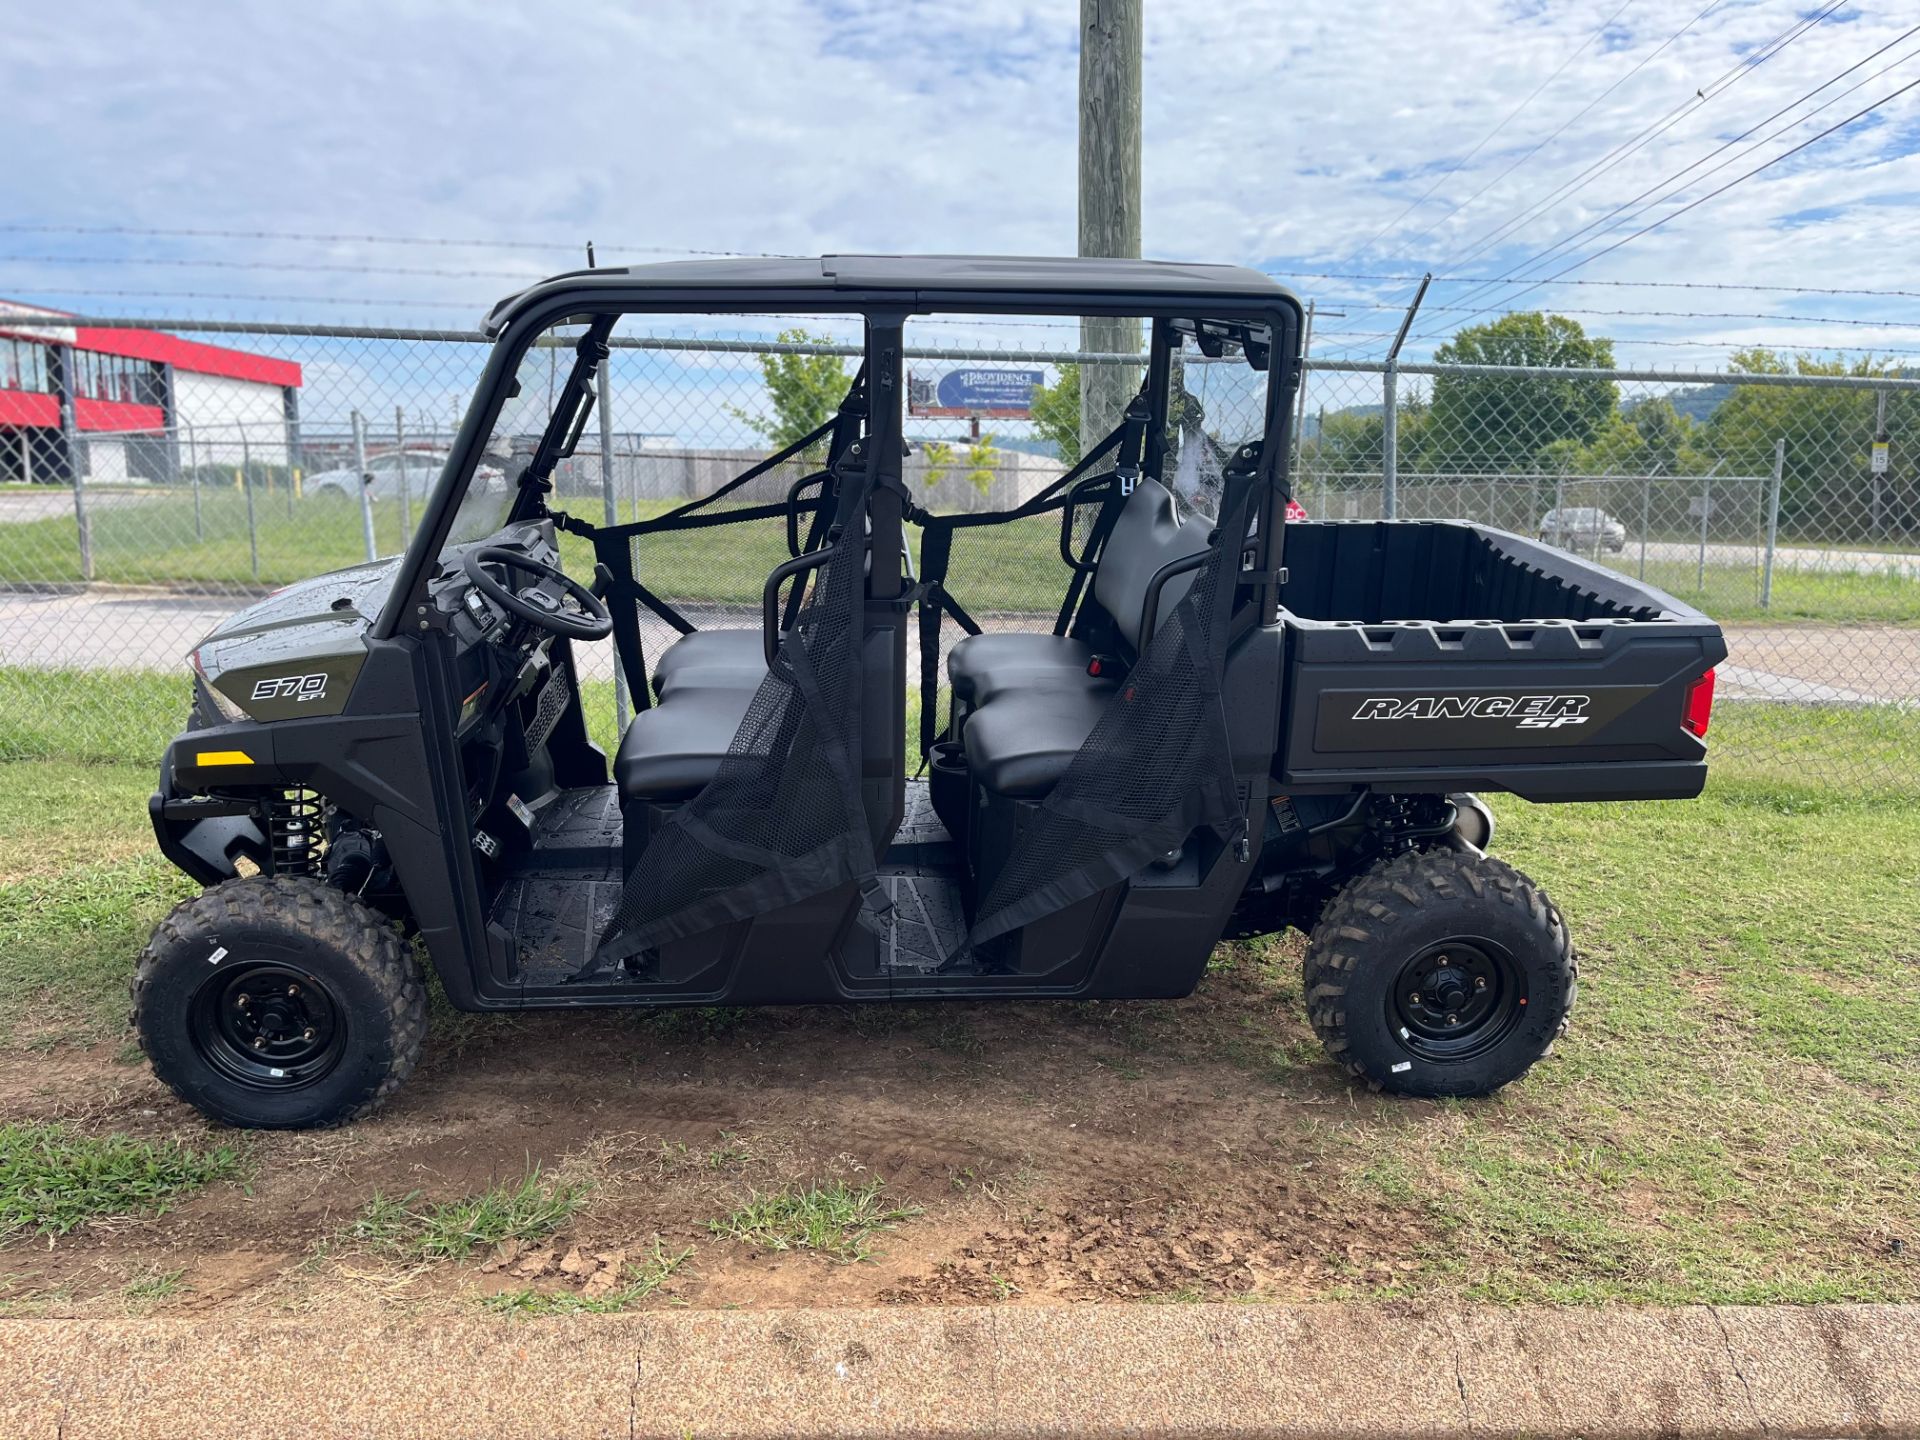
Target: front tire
[
  {"x": 278, "y": 1004},
  {"x": 1440, "y": 972}
]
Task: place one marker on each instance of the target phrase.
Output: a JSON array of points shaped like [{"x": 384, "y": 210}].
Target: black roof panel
[{"x": 966, "y": 275}]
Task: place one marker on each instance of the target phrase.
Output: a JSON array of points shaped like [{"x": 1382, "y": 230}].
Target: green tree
[
  {"x": 982, "y": 460},
  {"x": 1480, "y": 424},
  {"x": 1650, "y": 439},
  {"x": 1056, "y": 413},
  {"x": 805, "y": 391},
  {"x": 1827, "y": 486}
]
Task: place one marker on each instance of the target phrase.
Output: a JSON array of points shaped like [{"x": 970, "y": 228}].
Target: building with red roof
[{"x": 113, "y": 405}]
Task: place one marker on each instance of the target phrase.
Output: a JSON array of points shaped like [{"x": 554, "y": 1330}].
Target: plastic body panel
[{"x": 1444, "y": 656}]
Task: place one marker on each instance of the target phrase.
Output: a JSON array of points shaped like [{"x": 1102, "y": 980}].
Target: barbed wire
[
  {"x": 313, "y": 237},
  {"x": 1612, "y": 284}
]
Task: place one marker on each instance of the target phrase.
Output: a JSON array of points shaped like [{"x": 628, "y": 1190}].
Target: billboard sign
[{"x": 998, "y": 394}]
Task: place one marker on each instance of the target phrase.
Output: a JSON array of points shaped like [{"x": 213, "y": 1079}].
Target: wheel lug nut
[
  {"x": 307, "y": 1034},
  {"x": 243, "y": 1001},
  {"x": 1414, "y": 999},
  {"x": 259, "y": 1042},
  {"x": 293, "y": 989},
  {"x": 1479, "y": 982},
  {"x": 1453, "y": 1019}
]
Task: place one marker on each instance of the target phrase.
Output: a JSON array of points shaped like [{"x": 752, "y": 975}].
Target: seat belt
[{"x": 1126, "y": 471}]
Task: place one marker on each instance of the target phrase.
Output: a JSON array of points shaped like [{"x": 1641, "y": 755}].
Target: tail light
[{"x": 1699, "y": 711}]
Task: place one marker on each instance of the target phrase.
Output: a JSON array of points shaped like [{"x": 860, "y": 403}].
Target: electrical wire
[
  {"x": 310, "y": 237},
  {"x": 1616, "y": 284},
  {"x": 1701, "y": 97},
  {"x": 1672, "y": 184},
  {"x": 1721, "y": 190},
  {"x": 1567, "y": 124},
  {"x": 1453, "y": 168}
]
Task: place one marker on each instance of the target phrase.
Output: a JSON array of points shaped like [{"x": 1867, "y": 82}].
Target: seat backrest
[{"x": 1147, "y": 535}]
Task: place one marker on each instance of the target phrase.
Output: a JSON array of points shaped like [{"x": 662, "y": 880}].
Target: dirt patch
[{"x": 1051, "y": 1152}]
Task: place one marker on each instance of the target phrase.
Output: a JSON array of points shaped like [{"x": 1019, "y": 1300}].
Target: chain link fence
[{"x": 156, "y": 475}]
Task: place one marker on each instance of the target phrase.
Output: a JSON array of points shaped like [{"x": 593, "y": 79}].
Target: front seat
[{"x": 673, "y": 751}]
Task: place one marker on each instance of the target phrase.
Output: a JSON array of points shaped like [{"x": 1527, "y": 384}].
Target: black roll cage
[{"x": 1264, "y": 327}]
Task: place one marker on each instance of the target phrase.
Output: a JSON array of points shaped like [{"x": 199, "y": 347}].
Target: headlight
[{"x": 229, "y": 711}]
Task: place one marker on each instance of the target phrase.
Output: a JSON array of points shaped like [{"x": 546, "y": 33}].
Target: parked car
[
  {"x": 421, "y": 468},
  {"x": 1582, "y": 528}
]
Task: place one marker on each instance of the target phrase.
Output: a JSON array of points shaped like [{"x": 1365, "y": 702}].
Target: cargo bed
[{"x": 1427, "y": 656}]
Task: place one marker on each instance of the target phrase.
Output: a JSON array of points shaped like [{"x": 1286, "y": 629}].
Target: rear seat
[
  {"x": 1032, "y": 702},
  {"x": 1146, "y": 536},
  {"x": 1029, "y": 698},
  {"x": 731, "y": 659}
]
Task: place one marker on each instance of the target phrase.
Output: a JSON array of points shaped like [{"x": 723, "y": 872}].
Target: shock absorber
[{"x": 294, "y": 833}]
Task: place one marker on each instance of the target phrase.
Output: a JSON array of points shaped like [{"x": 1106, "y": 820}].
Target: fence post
[
  {"x": 193, "y": 480},
  {"x": 70, "y": 436},
  {"x": 1389, "y": 443},
  {"x": 1560, "y": 510},
  {"x": 1646, "y": 522},
  {"x": 610, "y": 507},
  {"x": 406, "y": 480},
  {"x": 1773, "y": 521},
  {"x": 366, "y": 484},
  {"x": 246, "y": 484},
  {"x": 1706, "y": 510}
]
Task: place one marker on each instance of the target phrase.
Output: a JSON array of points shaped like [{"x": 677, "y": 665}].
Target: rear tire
[
  {"x": 1440, "y": 972},
  {"x": 279, "y": 1004}
]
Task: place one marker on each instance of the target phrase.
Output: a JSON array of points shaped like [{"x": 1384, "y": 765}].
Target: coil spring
[{"x": 293, "y": 831}]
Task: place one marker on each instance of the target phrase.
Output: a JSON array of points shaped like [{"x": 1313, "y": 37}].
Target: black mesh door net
[
  {"x": 782, "y": 818},
  {"x": 1157, "y": 765}
]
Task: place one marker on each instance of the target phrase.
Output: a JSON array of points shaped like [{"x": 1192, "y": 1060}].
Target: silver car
[
  {"x": 1582, "y": 528},
  {"x": 418, "y": 470}
]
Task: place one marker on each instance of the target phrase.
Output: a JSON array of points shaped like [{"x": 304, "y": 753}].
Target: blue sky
[{"x": 1292, "y": 136}]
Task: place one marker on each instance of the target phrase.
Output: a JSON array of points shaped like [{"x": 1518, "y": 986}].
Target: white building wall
[{"x": 216, "y": 414}]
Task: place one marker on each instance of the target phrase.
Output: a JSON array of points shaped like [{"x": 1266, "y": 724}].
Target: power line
[
  {"x": 1721, "y": 190},
  {"x": 1615, "y": 284},
  {"x": 1672, "y": 183},
  {"x": 1657, "y": 315},
  {"x": 1739, "y": 71},
  {"x": 1740, "y": 344},
  {"x": 1566, "y": 124},
  {"x": 1451, "y": 169},
  {"x": 303, "y": 267},
  {"x": 230, "y": 298},
  {"x": 311, "y": 237}
]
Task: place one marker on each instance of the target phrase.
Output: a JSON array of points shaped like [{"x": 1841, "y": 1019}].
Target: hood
[{"x": 297, "y": 652}]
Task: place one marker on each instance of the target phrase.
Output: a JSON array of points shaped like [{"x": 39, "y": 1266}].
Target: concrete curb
[{"x": 1188, "y": 1370}]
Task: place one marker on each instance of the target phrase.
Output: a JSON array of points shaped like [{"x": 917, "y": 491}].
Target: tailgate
[{"x": 1546, "y": 709}]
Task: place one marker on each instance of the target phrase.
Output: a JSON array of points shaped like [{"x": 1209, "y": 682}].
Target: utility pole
[{"x": 1110, "y": 49}]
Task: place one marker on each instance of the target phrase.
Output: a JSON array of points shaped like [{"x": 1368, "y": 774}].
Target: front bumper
[{"x": 209, "y": 811}]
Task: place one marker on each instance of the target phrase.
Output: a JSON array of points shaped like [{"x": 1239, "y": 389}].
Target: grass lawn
[
  {"x": 1734, "y": 1116},
  {"x": 1013, "y": 567}
]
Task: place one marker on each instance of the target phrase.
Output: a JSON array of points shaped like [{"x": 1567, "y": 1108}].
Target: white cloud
[{"x": 1282, "y": 135}]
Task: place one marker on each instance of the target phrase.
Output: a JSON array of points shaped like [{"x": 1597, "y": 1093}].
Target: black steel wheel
[
  {"x": 1440, "y": 972},
  {"x": 273, "y": 1026},
  {"x": 279, "y": 1004}
]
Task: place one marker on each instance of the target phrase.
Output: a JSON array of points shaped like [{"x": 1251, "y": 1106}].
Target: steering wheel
[{"x": 592, "y": 621}]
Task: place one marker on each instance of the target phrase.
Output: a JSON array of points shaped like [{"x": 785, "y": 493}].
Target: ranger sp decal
[
  {"x": 1490, "y": 721},
  {"x": 1527, "y": 712}
]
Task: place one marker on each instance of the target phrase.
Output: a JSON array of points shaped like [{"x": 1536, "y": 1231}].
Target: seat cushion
[
  {"x": 711, "y": 659},
  {"x": 982, "y": 666},
  {"x": 1020, "y": 742},
  {"x": 673, "y": 750}
]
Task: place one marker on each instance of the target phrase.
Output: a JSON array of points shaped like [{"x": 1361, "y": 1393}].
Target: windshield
[
  {"x": 1216, "y": 403},
  {"x": 516, "y": 434}
]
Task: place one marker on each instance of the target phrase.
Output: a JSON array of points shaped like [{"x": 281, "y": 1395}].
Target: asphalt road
[{"x": 108, "y": 629}]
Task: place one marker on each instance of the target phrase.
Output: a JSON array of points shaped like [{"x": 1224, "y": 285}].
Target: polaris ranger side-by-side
[{"x": 1226, "y": 723}]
